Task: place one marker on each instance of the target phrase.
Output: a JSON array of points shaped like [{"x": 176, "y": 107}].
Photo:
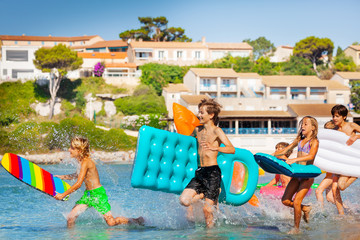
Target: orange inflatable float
[{"x": 185, "y": 121}]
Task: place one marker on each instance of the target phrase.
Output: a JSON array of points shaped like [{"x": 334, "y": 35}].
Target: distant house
[
  {"x": 346, "y": 77},
  {"x": 354, "y": 52},
  {"x": 17, "y": 53},
  {"x": 282, "y": 54},
  {"x": 108, "y": 46},
  {"x": 183, "y": 53}
]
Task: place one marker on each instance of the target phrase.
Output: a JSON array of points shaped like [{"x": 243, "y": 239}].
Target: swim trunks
[
  {"x": 207, "y": 180},
  {"x": 97, "y": 199}
]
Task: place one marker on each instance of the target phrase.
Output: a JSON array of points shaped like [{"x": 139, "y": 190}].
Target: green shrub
[
  {"x": 143, "y": 101},
  {"x": 99, "y": 139}
]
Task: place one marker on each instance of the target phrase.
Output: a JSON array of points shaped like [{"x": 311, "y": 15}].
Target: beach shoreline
[{"x": 118, "y": 157}]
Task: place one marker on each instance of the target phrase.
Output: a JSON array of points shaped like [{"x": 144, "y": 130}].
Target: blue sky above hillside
[{"x": 282, "y": 22}]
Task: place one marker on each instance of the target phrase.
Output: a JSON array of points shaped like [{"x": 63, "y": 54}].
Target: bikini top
[{"x": 306, "y": 148}]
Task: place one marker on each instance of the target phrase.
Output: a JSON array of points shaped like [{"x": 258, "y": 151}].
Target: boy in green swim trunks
[{"x": 95, "y": 194}]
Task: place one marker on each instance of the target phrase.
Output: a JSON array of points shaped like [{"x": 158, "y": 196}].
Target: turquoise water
[{"x": 25, "y": 213}]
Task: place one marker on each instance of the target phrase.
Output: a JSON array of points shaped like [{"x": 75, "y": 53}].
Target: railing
[
  {"x": 253, "y": 131},
  {"x": 260, "y": 130},
  {"x": 208, "y": 88},
  {"x": 283, "y": 131},
  {"x": 122, "y": 74},
  {"x": 231, "y": 88}
]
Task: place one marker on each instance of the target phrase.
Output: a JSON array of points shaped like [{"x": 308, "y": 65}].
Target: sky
[{"x": 283, "y": 22}]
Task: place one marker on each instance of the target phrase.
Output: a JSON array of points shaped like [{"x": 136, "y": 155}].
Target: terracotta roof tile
[
  {"x": 349, "y": 75},
  {"x": 112, "y": 43},
  {"x": 230, "y": 46},
  {"x": 335, "y": 85},
  {"x": 46, "y": 38},
  {"x": 175, "y": 88},
  {"x": 193, "y": 99},
  {"x": 103, "y": 55},
  {"x": 314, "y": 110},
  {"x": 355, "y": 47},
  {"x": 149, "y": 44},
  {"x": 293, "y": 81},
  {"x": 214, "y": 72}
]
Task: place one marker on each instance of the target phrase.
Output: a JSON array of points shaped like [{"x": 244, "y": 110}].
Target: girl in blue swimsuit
[{"x": 308, "y": 145}]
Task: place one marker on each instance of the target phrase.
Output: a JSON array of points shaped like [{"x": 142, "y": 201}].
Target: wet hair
[
  {"x": 82, "y": 145},
  {"x": 314, "y": 123},
  {"x": 340, "y": 109},
  {"x": 329, "y": 125},
  {"x": 212, "y": 107},
  {"x": 284, "y": 145}
]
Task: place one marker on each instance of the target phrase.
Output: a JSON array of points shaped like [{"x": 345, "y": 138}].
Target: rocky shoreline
[{"x": 120, "y": 157}]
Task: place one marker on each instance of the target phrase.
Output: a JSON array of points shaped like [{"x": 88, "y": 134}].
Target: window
[
  {"x": 42, "y": 43},
  {"x": 206, "y": 82},
  {"x": 17, "y": 55},
  {"x": 197, "y": 55},
  {"x": 226, "y": 82},
  {"x": 179, "y": 54},
  {"x": 16, "y": 42},
  {"x": 16, "y": 71},
  {"x": 29, "y": 43},
  {"x": 161, "y": 55},
  {"x": 71, "y": 43},
  {"x": 55, "y": 43},
  {"x": 5, "y": 72}
]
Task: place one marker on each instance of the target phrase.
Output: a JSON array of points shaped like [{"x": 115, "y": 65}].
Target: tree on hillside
[
  {"x": 155, "y": 29},
  {"x": 314, "y": 48},
  {"x": 261, "y": 46},
  {"x": 160, "y": 75},
  {"x": 298, "y": 66},
  {"x": 344, "y": 63},
  {"x": 57, "y": 61}
]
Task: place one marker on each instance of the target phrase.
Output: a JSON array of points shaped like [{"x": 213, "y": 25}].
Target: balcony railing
[
  {"x": 208, "y": 88},
  {"x": 283, "y": 131},
  {"x": 253, "y": 131},
  {"x": 228, "y": 88},
  {"x": 260, "y": 130}
]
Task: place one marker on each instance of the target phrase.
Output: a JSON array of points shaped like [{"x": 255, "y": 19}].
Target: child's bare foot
[
  {"x": 294, "y": 231},
  {"x": 306, "y": 210},
  {"x": 139, "y": 220}
]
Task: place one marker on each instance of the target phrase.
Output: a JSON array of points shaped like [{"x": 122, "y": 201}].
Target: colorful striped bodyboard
[{"x": 33, "y": 175}]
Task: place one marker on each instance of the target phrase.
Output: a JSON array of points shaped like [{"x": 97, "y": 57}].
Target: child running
[
  {"x": 308, "y": 145},
  {"x": 94, "y": 195},
  {"x": 206, "y": 183},
  {"x": 326, "y": 183},
  {"x": 339, "y": 114},
  {"x": 280, "y": 178}
]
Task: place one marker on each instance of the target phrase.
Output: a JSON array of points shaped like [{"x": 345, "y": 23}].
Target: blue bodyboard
[{"x": 271, "y": 164}]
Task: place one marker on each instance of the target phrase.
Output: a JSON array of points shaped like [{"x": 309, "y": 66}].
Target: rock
[
  {"x": 110, "y": 108},
  {"x": 91, "y": 107},
  {"x": 43, "y": 109}
]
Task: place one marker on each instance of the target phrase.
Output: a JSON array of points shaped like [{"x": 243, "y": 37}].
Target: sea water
[{"x": 26, "y": 213}]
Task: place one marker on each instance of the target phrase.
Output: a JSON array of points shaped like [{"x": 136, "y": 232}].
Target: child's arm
[
  {"x": 229, "y": 148},
  {"x": 310, "y": 157},
  {"x": 285, "y": 150},
  {"x": 78, "y": 183},
  {"x": 353, "y": 137},
  {"x": 67, "y": 177}
]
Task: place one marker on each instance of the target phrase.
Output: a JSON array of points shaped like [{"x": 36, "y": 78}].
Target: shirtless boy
[
  {"x": 339, "y": 114},
  {"x": 206, "y": 182},
  {"x": 95, "y": 194}
]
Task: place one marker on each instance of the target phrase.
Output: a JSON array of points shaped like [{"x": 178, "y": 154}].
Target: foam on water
[{"x": 27, "y": 213}]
